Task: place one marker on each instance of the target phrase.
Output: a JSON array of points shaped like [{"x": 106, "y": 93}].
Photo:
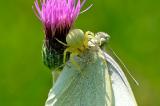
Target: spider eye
[{"x": 75, "y": 38}]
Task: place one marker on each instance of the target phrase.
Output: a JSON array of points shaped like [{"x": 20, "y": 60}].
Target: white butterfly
[{"x": 122, "y": 92}]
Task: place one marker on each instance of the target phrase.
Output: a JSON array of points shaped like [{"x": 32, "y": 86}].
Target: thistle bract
[{"x": 57, "y": 17}]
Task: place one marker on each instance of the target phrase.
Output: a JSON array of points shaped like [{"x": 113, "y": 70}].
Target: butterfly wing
[{"x": 122, "y": 92}]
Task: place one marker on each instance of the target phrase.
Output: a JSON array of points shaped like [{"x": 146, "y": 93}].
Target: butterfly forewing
[{"x": 122, "y": 92}]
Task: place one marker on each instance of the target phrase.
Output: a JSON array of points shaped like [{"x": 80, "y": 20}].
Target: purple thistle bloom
[{"x": 57, "y": 17}]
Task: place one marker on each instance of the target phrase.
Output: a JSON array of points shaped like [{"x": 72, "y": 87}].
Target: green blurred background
[{"x": 134, "y": 28}]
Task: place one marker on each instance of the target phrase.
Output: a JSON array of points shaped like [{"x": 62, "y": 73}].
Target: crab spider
[{"x": 77, "y": 42}]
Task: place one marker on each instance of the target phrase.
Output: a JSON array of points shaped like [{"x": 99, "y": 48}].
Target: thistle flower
[{"x": 57, "y": 17}]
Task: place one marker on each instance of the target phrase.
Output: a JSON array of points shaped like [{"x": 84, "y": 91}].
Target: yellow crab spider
[{"x": 77, "y": 42}]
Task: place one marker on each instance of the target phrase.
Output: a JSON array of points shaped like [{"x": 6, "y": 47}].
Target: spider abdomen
[{"x": 75, "y": 38}]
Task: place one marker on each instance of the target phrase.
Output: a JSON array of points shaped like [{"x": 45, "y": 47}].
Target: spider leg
[
  {"x": 59, "y": 67},
  {"x": 64, "y": 55},
  {"x": 72, "y": 57},
  {"x": 61, "y": 42},
  {"x": 86, "y": 40}
]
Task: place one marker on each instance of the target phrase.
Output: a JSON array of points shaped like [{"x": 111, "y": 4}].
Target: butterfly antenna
[{"x": 124, "y": 66}]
